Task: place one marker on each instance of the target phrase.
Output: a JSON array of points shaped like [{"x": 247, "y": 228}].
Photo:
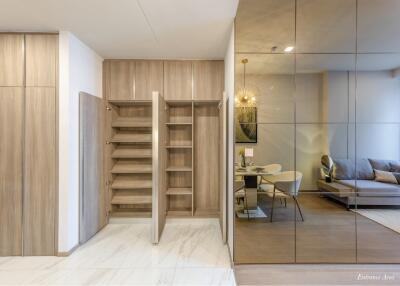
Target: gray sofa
[{"x": 354, "y": 182}]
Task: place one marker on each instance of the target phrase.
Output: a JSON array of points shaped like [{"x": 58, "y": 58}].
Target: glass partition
[{"x": 317, "y": 126}]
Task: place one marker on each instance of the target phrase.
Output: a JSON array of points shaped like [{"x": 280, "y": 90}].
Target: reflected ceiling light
[
  {"x": 288, "y": 49},
  {"x": 244, "y": 97}
]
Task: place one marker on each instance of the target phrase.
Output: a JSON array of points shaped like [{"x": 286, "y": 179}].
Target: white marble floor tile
[{"x": 190, "y": 252}]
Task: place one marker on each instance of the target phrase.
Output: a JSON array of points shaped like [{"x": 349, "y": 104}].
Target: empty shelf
[
  {"x": 179, "y": 169},
  {"x": 178, "y": 123},
  {"x": 121, "y": 168},
  {"x": 126, "y": 213},
  {"x": 131, "y": 138},
  {"x": 131, "y": 199},
  {"x": 126, "y": 184},
  {"x": 179, "y": 191},
  {"x": 131, "y": 122},
  {"x": 131, "y": 153},
  {"x": 179, "y": 147}
]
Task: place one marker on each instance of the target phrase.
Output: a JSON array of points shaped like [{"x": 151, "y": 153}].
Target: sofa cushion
[
  {"x": 395, "y": 166},
  {"x": 397, "y": 176},
  {"x": 383, "y": 165},
  {"x": 368, "y": 188},
  {"x": 343, "y": 169},
  {"x": 385, "y": 177},
  {"x": 364, "y": 170}
]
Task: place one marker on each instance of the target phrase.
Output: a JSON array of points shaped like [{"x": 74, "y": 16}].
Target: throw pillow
[
  {"x": 364, "y": 170},
  {"x": 397, "y": 176},
  {"x": 385, "y": 177},
  {"x": 395, "y": 167},
  {"x": 343, "y": 169},
  {"x": 382, "y": 165}
]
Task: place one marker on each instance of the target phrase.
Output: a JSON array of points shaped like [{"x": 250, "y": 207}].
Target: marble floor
[{"x": 190, "y": 252}]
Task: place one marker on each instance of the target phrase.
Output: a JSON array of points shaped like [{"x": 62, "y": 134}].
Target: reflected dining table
[{"x": 251, "y": 175}]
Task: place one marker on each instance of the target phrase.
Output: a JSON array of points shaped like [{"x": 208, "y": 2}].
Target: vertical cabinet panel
[
  {"x": 11, "y": 60},
  {"x": 121, "y": 79},
  {"x": 11, "y": 102},
  {"x": 208, "y": 80},
  {"x": 40, "y": 172},
  {"x": 41, "y": 60},
  {"x": 148, "y": 78},
  {"x": 92, "y": 190},
  {"x": 178, "y": 80},
  {"x": 206, "y": 155}
]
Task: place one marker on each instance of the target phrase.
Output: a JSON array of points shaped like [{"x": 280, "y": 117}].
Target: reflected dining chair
[
  {"x": 286, "y": 184},
  {"x": 240, "y": 193},
  {"x": 265, "y": 187}
]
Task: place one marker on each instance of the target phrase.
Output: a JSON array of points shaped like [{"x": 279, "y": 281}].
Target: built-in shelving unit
[
  {"x": 179, "y": 169},
  {"x": 131, "y": 158}
]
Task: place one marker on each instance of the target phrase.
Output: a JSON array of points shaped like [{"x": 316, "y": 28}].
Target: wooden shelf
[
  {"x": 179, "y": 124},
  {"x": 131, "y": 122},
  {"x": 179, "y": 191},
  {"x": 130, "y": 102},
  {"x": 128, "y": 213},
  {"x": 122, "y": 168},
  {"x": 131, "y": 138},
  {"x": 131, "y": 153},
  {"x": 126, "y": 184},
  {"x": 179, "y": 169},
  {"x": 131, "y": 199},
  {"x": 179, "y": 213},
  {"x": 178, "y": 147}
]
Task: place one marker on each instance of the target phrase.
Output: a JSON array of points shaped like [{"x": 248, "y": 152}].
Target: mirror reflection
[{"x": 317, "y": 153}]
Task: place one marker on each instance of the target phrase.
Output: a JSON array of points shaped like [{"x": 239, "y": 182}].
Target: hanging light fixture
[{"x": 244, "y": 97}]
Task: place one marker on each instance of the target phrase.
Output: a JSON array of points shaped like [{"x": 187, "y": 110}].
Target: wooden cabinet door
[
  {"x": 148, "y": 78},
  {"x": 208, "y": 80},
  {"x": 178, "y": 80},
  {"x": 11, "y": 60},
  {"x": 41, "y": 60},
  {"x": 121, "y": 79},
  {"x": 40, "y": 171},
  {"x": 11, "y": 103}
]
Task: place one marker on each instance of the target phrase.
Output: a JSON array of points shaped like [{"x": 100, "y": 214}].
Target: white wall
[
  {"x": 230, "y": 93},
  {"x": 80, "y": 69}
]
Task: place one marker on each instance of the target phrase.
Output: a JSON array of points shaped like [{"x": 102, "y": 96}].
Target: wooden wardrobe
[
  {"x": 185, "y": 119},
  {"x": 28, "y": 144}
]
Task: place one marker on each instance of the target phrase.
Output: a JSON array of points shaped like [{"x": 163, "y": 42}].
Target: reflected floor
[{"x": 328, "y": 235}]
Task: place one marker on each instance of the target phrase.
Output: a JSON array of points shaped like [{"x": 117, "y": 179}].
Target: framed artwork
[{"x": 246, "y": 124}]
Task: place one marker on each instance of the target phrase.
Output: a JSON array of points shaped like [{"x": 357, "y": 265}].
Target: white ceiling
[{"x": 165, "y": 29}]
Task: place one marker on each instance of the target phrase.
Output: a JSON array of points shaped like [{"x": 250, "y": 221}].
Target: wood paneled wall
[
  {"x": 183, "y": 80},
  {"x": 28, "y": 144}
]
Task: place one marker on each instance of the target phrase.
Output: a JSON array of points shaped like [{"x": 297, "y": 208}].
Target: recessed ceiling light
[{"x": 288, "y": 49}]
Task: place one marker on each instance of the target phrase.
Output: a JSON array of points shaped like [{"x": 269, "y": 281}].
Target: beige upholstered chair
[
  {"x": 286, "y": 184},
  {"x": 265, "y": 185},
  {"x": 240, "y": 193}
]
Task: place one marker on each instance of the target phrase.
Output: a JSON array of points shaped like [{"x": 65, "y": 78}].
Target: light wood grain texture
[
  {"x": 131, "y": 138},
  {"x": 131, "y": 122},
  {"x": 159, "y": 165},
  {"x": 178, "y": 80},
  {"x": 120, "y": 152},
  {"x": 124, "y": 182},
  {"x": 206, "y": 157},
  {"x": 122, "y": 167},
  {"x": 222, "y": 167},
  {"x": 93, "y": 216},
  {"x": 208, "y": 80},
  {"x": 179, "y": 191},
  {"x": 130, "y": 199},
  {"x": 40, "y": 172},
  {"x": 11, "y": 60},
  {"x": 11, "y": 106},
  {"x": 179, "y": 158},
  {"x": 180, "y": 135},
  {"x": 180, "y": 114},
  {"x": 41, "y": 60},
  {"x": 148, "y": 78},
  {"x": 121, "y": 79}
]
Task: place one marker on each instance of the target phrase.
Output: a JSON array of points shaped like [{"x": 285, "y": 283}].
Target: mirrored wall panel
[{"x": 317, "y": 151}]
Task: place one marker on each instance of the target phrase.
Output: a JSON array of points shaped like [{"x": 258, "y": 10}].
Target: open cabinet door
[
  {"x": 223, "y": 173},
  {"x": 92, "y": 194},
  {"x": 159, "y": 163}
]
